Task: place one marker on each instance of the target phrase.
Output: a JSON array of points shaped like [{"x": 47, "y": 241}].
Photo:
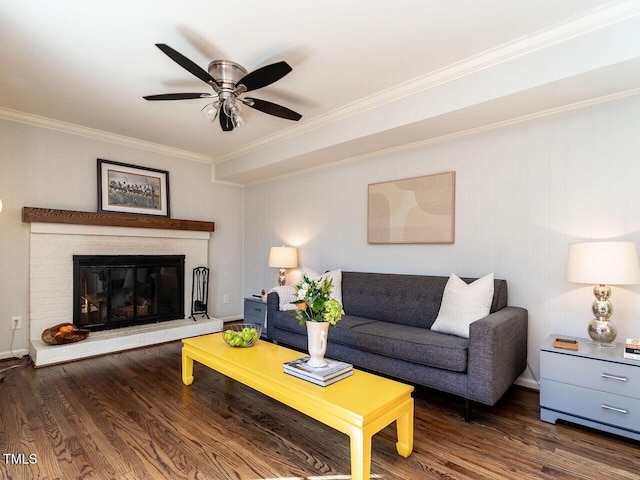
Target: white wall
[
  {"x": 51, "y": 169},
  {"x": 524, "y": 192}
]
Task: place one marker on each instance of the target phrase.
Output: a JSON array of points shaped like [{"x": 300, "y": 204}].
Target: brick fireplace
[{"x": 52, "y": 247}]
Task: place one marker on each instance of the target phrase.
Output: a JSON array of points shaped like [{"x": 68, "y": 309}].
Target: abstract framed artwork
[
  {"x": 413, "y": 210},
  {"x": 131, "y": 189}
]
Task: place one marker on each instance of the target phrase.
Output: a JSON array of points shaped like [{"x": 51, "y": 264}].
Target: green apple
[{"x": 244, "y": 338}]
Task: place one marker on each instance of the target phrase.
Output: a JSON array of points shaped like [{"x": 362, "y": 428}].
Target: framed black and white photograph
[{"x": 131, "y": 189}]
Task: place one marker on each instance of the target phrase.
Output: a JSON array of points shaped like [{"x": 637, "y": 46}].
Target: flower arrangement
[{"x": 314, "y": 302}]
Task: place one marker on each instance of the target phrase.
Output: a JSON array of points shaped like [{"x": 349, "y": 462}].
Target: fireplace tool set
[{"x": 199, "y": 292}]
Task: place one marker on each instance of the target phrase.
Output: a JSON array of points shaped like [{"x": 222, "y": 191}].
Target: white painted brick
[{"x": 51, "y": 268}]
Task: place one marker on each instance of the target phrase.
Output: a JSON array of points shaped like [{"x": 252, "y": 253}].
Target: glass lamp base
[
  {"x": 602, "y": 332},
  {"x": 282, "y": 277}
]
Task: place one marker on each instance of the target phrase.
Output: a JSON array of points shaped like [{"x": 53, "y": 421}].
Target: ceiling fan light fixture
[
  {"x": 210, "y": 111},
  {"x": 232, "y": 109},
  {"x": 238, "y": 119}
]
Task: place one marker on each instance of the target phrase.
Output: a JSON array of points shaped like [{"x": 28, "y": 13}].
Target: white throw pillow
[
  {"x": 336, "y": 279},
  {"x": 463, "y": 304}
]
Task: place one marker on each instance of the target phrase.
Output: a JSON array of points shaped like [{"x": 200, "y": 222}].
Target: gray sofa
[{"x": 386, "y": 329}]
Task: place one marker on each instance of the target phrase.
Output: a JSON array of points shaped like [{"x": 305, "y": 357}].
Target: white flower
[{"x": 302, "y": 292}]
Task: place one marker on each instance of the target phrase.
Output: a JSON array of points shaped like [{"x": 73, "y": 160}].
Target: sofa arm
[
  {"x": 273, "y": 305},
  {"x": 497, "y": 353}
]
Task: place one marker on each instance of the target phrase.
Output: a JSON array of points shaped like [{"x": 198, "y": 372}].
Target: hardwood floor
[{"x": 128, "y": 416}]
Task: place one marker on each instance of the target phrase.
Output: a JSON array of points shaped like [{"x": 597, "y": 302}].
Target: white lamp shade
[
  {"x": 0, "y": 205},
  {"x": 608, "y": 263},
  {"x": 283, "y": 257}
]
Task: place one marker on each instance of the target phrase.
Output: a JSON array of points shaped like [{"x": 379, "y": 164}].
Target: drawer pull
[
  {"x": 613, "y": 377},
  {"x": 614, "y": 409}
]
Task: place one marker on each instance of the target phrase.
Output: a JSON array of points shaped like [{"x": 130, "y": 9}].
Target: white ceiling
[{"x": 89, "y": 64}]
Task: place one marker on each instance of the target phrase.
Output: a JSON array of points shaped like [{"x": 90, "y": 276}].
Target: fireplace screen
[{"x": 112, "y": 291}]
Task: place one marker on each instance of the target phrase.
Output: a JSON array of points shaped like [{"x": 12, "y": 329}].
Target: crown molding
[
  {"x": 94, "y": 134},
  {"x": 462, "y": 133},
  {"x": 589, "y": 22}
]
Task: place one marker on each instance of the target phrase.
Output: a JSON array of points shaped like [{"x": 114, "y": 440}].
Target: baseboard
[
  {"x": 527, "y": 383},
  {"x": 232, "y": 318},
  {"x": 19, "y": 353}
]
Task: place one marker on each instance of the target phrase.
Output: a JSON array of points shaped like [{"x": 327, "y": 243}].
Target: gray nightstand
[
  {"x": 593, "y": 386},
  {"x": 255, "y": 311}
]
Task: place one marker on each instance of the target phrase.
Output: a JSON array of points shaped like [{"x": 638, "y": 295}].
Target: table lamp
[
  {"x": 0, "y": 205},
  {"x": 603, "y": 264},
  {"x": 283, "y": 258}
]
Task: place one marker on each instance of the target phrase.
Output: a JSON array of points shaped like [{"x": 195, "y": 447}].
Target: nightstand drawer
[
  {"x": 255, "y": 311},
  {"x": 254, "y": 319},
  {"x": 615, "y": 410},
  {"x": 616, "y": 378}
]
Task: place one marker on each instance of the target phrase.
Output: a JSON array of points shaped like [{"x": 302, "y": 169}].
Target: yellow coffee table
[{"x": 359, "y": 406}]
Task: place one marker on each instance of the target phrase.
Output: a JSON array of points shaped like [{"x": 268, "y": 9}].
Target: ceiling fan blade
[
  {"x": 264, "y": 76},
  {"x": 225, "y": 120},
  {"x": 189, "y": 66},
  {"x": 272, "y": 108},
  {"x": 177, "y": 96}
]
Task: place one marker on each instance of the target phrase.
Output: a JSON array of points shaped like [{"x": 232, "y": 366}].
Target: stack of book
[
  {"x": 323, "y": 376},
  {"x": 632, "y": 348}
]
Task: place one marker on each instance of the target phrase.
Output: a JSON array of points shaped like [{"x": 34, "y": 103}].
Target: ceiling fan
[{"x": 229, "y": 80}]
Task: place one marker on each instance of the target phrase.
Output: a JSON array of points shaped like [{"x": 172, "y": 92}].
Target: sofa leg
[{"x": 467, "y": 410}]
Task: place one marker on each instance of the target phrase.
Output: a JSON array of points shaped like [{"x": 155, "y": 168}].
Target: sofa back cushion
[{"x": 405, "y": 299}]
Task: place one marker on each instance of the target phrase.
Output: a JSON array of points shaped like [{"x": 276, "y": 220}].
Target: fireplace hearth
[{"x": 114, "y": 291}]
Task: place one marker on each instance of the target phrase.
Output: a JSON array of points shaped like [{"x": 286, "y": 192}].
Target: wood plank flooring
[{"x": 128, "y": 416}]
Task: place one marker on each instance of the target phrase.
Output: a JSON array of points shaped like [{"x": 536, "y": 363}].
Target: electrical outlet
[
  {"x": 225, "y": 299},
  {"x": 16, "y": 323}
]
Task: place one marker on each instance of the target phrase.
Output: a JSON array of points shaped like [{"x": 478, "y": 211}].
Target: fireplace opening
[{"x": 114, "y": 291}]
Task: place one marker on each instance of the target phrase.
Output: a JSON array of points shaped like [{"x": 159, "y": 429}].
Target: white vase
[{"x": 317, "y": 343}]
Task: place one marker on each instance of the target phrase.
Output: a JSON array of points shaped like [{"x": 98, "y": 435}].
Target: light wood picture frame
[{"x": 412, "y": 210}]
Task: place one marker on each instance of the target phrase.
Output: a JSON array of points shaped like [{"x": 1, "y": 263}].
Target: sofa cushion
[
  {"x": 413, "y": 344},
  {"x": 405, "y": 299},
  {"x": 287, "y": 321},
  {"x": 462, "y": 304}
]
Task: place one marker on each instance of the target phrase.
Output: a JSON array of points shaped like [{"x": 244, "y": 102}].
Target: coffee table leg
[
  {"x": 404, "y": 425},
  {"x": 187, "y": 368},
  {"x": 360, "y": 455}
]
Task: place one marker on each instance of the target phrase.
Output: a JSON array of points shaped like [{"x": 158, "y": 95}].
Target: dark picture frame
[{"x": 126, "y": 188}]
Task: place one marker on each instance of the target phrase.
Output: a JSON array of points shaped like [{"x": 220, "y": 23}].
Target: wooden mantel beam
[{"x": 50, "y": 215}]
